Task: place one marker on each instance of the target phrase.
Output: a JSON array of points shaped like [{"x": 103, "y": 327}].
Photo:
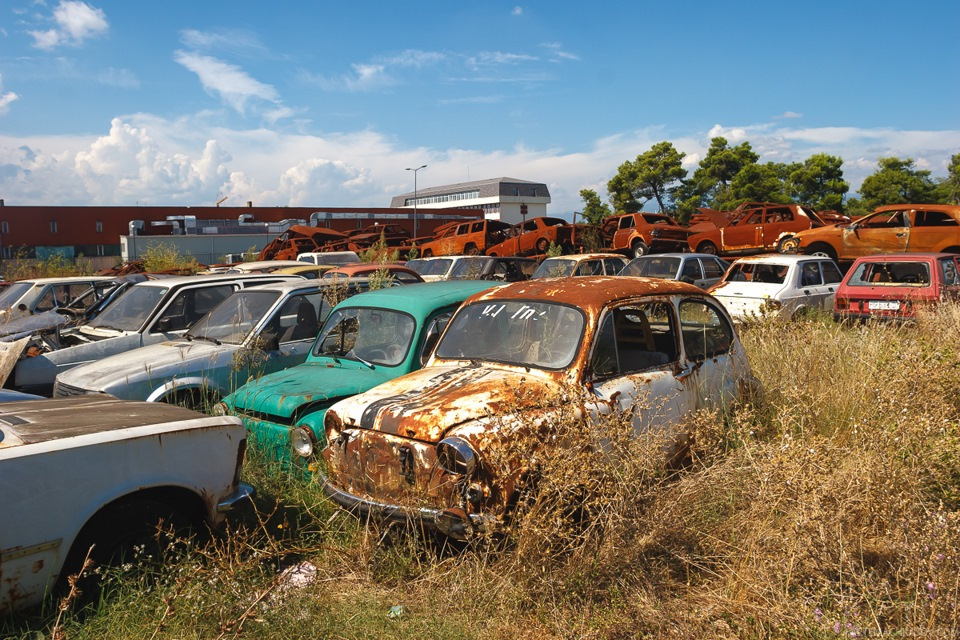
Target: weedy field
[{"x": 830, "y": 508}]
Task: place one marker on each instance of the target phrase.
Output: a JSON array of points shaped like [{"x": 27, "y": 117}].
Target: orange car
[
  {"x": 465, "y": 238},
  {"x": 398, "y": 273},
  {"x": 534, "y": 237},
  {"x": 637, "y": 234},
  {"x": 897, "y": 228},
  {"x": 758, "y": 230}
]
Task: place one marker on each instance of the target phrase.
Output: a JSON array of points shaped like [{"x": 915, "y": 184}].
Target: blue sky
[{"x": 297, "y": 103}]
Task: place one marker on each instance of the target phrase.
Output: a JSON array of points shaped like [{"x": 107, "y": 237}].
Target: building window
[
  {"x": 99, "y": 227},
  {"x": 4, "y": 227},
  {"x": 53, "y": 226},
  {"x": 100, "y": 251}
]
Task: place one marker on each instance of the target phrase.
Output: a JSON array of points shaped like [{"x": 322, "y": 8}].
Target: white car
[
  {"x": 783, "y": 285},
  {"x": 96, "y": 470},
  {"x": 434, "y": 268},
  {"x": 335, "y": 258},
  {"x": 44, "y": 294}
]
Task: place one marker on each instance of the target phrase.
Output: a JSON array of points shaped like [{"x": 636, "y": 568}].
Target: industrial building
[{"x": 506, "y": 199}]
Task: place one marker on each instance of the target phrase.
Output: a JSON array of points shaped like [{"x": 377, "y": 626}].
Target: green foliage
[
  {"x": 252, "y": 254},
  {"x": 55, "y": 265},
  {"x": 594, "y": 210},
  {"x": 948, "y": 191},
  {"x": 897, "y": 181},
  {"x": 819, "y": 182},
  {"x": 160, "y": 256},
  {"x": 413, "y": 253},
  {"x": 554, "y": 250},
  {"x": 379, "y": 252},
  {"x": 711, "y": 182},
  {"x": 654, "y": 175},
  {"x": 756, "y": 183}
]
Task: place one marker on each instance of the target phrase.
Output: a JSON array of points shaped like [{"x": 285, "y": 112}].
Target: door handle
[
  {"x": 806, "y": 292},
  {"x": 830, "y": 289},
  {"x": 900, "y": 235}
]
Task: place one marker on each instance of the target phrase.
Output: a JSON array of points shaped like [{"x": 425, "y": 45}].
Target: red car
[{"x": 893, "y": 287}]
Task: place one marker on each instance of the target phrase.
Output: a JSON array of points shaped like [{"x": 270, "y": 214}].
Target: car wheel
[
  {"x": 542, "y": 245},
  {"x": 782, "y": 244},
  {"x": 428, "y": 253},
  {"x": 707, "y": 247},
  {"x": 822, "y": 250},
  {"x": 640, "y": 248},
  {"x": 471, "y": 250}
]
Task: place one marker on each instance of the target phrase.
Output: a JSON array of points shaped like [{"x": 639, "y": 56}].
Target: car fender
[{"x": 179, "y": 384}]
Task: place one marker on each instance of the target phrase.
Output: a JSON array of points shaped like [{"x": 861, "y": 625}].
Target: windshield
[
  {"x": 652, "y": 267},
  {"x": 468, "y": 269},
  {"x": 231, "y": 320},
  {"x": 130, "y": 310},
  {"x": 758, "y": 272},
  {"x": 339, "y": 258},
  {"x": 555, "y": 268},
  {"x": 434, "y": 267},
  {"x": 534, "y": 334},
  {"x": 12, "y": 294},
  {"x": 374, "y": 336},
  {"x": 890, "y": 274}
]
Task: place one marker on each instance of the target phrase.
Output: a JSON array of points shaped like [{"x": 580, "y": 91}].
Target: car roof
[
  {"x": 67, "y": 279},
  {"x": 213, "y": 277},
  {"x": 898, "y": 207},
  {"x": 780, "y": 258},
  {"x": 906, "y": 257},
  {"x": 413, "y": 297},
  {"x": 678, "y": 255},
  {"x": 586, "y": 256},
  {"x": 298, "y": 284},
  {"x": 587, "y": 292}
]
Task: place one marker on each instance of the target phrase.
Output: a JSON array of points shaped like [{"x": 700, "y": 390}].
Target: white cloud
[
  {"x": 6, "y": 99},
  {"x": 376, "y": 74},
  {"x": 123, "y": 78},
  {"x": 494, "y": 58},
  {"x": 472, "y": 100},
  {"x": 234, "y": 41},
  {"x": 187, "y": 161},
  {"x": 232, "y": 84},
  {"x": 790, "y": 114},
  {"x": 517, "y": 11},
  {"x": 557, "y": 52},
  {"x": 75, "y": 22}
]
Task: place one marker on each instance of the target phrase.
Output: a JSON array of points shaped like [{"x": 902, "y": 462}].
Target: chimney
[{"x": 249, "y": 203}]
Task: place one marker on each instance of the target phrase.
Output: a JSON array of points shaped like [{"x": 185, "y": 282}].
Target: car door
[
  {"x": 634, "y": 366},
  {"x": 691, "y": 272},
  {"x": 621, "y": 239},
  {"x": 831, "y": 281},
  {"x": 812, "y": 292},
  {"x": 710, "y": 370},
  {"x": 929, "y": 228},
  {"x": 744, "y": 236},
  {"x": 950, "y": 275},
  {"x": 713, "y": 270},
  {"x": 882, "y": 232},
  {"x": 289, "y": 333},
  {"x": 187, "y": 306},
  {"x": 778, "y": 221}
]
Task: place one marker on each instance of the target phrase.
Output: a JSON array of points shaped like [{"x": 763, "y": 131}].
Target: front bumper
[
  {"x": 242, "y": 493},
  {"x": 454, "y": 523}
]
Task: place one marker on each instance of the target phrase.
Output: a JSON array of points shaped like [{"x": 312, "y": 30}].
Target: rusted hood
[{"x": 425, "y": 404}]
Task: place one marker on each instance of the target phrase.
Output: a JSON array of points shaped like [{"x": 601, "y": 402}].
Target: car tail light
[{"x": 842, "y": 304}]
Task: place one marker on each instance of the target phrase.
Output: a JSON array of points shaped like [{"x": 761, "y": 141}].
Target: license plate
[{"x": 883, "y": 305}]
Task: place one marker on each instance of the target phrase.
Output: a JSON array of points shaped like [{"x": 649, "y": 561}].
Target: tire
[
  {"x": 639, "y": 248},
  {"x": 542, "y": 245},
  {"x": 823, "y": 250},
  {"x": 707, "y": 247},
  {"x": 428, "y": 253},
  {"x": 781, "y": 243},
  {"x": 471, "y": 250}
]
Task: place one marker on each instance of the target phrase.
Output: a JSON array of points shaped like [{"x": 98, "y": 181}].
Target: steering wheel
[
  {"x": 910, "y": 278},
  {"x": 376, "y": 354}
]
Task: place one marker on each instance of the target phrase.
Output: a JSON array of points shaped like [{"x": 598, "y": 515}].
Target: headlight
[
  {"x": 301, "y": 441},
  {"x": 455, "y": 455},
  {"x": 221, "y": 409}
]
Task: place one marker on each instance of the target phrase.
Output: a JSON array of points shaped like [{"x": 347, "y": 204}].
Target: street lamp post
[{"x": 423, "y": 166}]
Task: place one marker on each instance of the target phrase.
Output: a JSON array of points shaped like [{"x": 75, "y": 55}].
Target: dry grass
[{"x": 830, "y": 509}]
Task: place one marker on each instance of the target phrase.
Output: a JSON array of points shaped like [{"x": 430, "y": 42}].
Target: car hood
[
  {"x": 424, "y": 405},
  {"x": 282, "y": 393},
  {"x": 19, "y": 326},
  {"x": 153, "y": 362}
]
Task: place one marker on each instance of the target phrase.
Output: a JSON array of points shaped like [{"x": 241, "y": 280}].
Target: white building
[{"x": 506, "y": 199}]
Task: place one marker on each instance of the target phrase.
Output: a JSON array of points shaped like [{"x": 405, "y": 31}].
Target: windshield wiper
[
  {"x": 190, "y": 336},
  {"x": 361, "y": 360},
  {"x": 105, "y": 326}
]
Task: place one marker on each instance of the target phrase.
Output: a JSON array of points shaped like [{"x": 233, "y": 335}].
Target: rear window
[
  {"x": 758, "y": 272},
  {"x": 890, "y": 274}
]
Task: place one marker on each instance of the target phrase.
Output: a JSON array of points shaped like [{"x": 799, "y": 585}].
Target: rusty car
[
  {"x": 534, "y": 237},
  {"x": 418, "y": 448},
  {"x": 97, "y": 471},
  {"x": 471, "y": 238},
  {"x": 637, "y": 234},
  {"x": 896, "y": 287},
  {"x": 897, "y": 228},
  {"x": 501, "y": 269},
  {"x": 395, "y": 273},
  {"x": 766, "y": 227},
  {"x": 700, "y": 269}
]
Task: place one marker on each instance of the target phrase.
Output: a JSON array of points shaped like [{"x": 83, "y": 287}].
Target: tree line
[{"x": 730, "y": 175}]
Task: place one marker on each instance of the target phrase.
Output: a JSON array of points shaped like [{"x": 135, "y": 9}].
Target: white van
[{"x": 336, "y": 258}]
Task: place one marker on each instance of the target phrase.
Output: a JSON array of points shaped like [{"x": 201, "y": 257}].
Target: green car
[{"x": 366, "y": 340}]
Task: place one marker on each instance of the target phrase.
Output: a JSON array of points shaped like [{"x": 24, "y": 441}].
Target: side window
[
  {"x": 527, "y": 268},
  {"x": 712, "y": 268},
  {"x": 299, "y": 318},
  {"x": 831, "y": 274},
  {"x": 780, "y": 215},
  {"x": 635, "y": 338},
  {"x": 432, "y": 335},
  {"x": 612, "y": 266},
  {"x": 626, "y": 222},
  {"x": 810, "y": 275},
  {"x": 46, "y": 302},
  {"x": 754, "y": 218},
  {"x": 477, "y": 227},
  {"x": 934, "y": 219},
  {"x": 948, "y": 267},
  {"x": 706, "y": 332},
  {"x": 691, "y": 269},
  {"x": 191, "y": 305}
]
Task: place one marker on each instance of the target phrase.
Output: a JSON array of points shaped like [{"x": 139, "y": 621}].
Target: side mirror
[
  {"x": 164, "y": 325},
  {"x": 269, "y": 342},
  {"x": 686, "y": 279},
  {"x": 21, "y": 307}
]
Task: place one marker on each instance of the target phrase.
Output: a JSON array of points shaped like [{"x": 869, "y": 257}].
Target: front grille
[{"x": 61, "y": 390}]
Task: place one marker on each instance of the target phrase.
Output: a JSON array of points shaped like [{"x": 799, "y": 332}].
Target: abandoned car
[
  {"x": 701, "y": 269},
  {"x": 368, "y": 339},
  {"x": 146, "y": 313},
  {"x": 417, "y": 447},
  {"x": 899, "y": 228},
  {"x": 501, "y": 269},
  {"x": 583, "y": 264},
  {"x": 894, "y": 287},
  {"x": 766, "y": 227},
  {"x": 255, "y": 331},
  {"x": 637, "y": 234},
  {"x": 778, "y": 285},
  {"x": 45, "y": 294},
  {"x": 534, "y": 237},
  {"x": 77, "y": 472}
]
